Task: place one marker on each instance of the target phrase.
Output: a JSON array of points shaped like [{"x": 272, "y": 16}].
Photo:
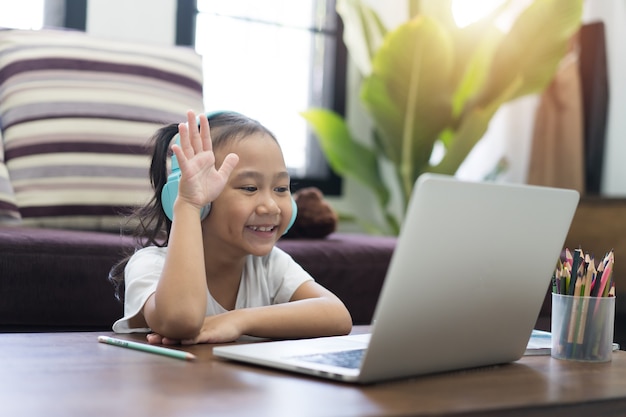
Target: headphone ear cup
[
  {"x": 169, "y": 193},
  {"x": 205, "y": 211},
  {"x": 294, "y": 214}
]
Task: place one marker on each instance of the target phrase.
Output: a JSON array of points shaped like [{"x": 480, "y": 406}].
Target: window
[
  {"x": 23, "y": 14},
  {"x": 271, "y": 59}
]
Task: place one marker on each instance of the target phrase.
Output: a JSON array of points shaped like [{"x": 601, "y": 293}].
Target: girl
[{"x": 212, "y": 278}]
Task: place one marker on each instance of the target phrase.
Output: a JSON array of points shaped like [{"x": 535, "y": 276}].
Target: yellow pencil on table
[
  {"x": 572, "y": 328},
  {"x": 144, "y": 347},
  {"x": 589, "y": 277}
]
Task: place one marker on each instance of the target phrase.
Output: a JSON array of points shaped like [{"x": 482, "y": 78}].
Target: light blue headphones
[{"x": 170, "y": 189}]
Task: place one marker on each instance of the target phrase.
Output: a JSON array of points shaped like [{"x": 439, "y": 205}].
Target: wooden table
[{"x": 71, "y": 374}]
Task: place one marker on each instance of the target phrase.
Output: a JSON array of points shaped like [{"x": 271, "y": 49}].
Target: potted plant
[{"x": 429, "y": 83}]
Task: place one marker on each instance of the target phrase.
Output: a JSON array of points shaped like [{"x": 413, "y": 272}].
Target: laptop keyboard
[{"x": 350, "y": 359}]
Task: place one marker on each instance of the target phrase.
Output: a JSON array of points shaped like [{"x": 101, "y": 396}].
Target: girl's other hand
[
  {"x": 157, "y": 339},
  {"x": 221, "y": 328}
]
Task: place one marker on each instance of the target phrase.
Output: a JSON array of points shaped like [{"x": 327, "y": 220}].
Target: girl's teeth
[{"x": 262, "y": 229}]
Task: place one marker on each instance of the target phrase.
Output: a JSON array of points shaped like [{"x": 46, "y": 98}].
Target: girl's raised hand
[{"x": 201, "y": 182}]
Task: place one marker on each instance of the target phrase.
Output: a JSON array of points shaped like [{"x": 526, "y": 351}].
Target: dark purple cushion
[
  {"x": 352, "y": 266},
  {"x": 58, "y": 279}
]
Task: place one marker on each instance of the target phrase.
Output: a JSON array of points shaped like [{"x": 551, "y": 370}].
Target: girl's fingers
[
  {"x": 170, "y": 341},
  {"x": 157, "y": 339},
  {"x": 194, "y": 134},
  {"x": 205, "y": 133},
  {"x": 154, "y": 338},
  {"x": 194, "y": 138},
  {"x": 228, "y": 165},
  {"x": 183, "y": 142},
  {"x": 180, "y": 154}
]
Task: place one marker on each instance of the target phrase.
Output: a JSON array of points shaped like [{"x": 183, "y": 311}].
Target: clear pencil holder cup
[{"x": 582, "y": 328}]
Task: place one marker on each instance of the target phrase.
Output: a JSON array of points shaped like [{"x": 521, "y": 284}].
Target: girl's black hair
[{"x": 152, "y": 225}]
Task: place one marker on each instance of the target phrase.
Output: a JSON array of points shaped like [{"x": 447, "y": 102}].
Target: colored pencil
[
  {"x": 579, "y": 276},
  {"x": 145, "y": 347}
]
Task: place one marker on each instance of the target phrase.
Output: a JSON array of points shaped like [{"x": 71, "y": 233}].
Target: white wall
[
  {"x": 151, "y": 21},
  {"x": 613, "y": 14}
]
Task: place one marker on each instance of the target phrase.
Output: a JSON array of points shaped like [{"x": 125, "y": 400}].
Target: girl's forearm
[
  {"x": 313, "y": 317},
  {"x": 180, "y": 299}
]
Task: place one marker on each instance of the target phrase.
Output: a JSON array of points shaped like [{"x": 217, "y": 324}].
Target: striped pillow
[
  {"x": 76, "y": 112},
  {"x": 9, "y": 213}
]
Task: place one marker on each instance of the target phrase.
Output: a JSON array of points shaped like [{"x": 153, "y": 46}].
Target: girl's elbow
[
  {"x": 182, "y": 326},
  {"x": 342, "y": 320},
  {"x": 345, "y": 323}
]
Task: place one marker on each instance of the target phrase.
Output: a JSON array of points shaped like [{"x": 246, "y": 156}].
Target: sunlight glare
[{"x": 466, "y": 12}]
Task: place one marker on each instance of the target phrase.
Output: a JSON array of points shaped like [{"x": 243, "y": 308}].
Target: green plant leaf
[
  {"x": 441, "y": 10},
  {"x": 430, "y": 80},
  {"x": 346, "y": 156},
  {"x": 471, "y": 40},
  {"x": 472, "y": 128},
  {"x": 363, "y": 32},
  {"x": 414, "y": 8},
  {"x": 409, "y": 94},
  {"x": 533, "y": 48},
  {"x": 476, "y": 68}
]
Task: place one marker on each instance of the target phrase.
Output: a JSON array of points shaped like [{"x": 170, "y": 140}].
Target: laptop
[{"x": 464, "y": 287}]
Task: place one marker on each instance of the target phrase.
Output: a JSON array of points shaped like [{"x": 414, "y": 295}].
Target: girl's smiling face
[{"x": 254, "y": 209}]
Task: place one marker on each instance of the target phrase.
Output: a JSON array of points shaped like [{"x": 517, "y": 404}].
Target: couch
[
  {"x": 75, "y": 115},
  {"x": 52, "y": 280},
  {"x": 76, "y": 112}
]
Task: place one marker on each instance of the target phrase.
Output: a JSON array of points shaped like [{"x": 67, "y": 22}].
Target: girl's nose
[{"x": 268, "y": 205}]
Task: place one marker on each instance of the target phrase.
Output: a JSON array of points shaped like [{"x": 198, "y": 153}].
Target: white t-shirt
[{"x": 266, "y": 280}]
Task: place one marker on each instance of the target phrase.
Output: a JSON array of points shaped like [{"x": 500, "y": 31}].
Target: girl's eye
[
  {"x": 249, "y": 189},
  {"x": 282, "y": 189}
]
